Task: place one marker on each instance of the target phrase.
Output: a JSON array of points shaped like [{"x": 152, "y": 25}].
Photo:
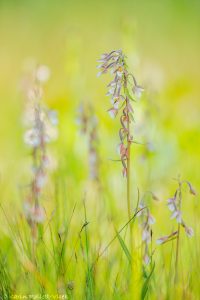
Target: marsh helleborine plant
[
  {"x": 88, "y": 123},
  {"x": 175, "y": 206},
  {"x": 146, "y": 222},
  {"x": 40, "y": 120},
  {"x": 121, "y": 89}
]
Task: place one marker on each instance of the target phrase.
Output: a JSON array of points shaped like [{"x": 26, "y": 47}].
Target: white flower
[
  {"x": 110, "y": 91},
  {"x": 146, "y": 236},
  {"x": 99, "y": 74},
  {"x": 47, "y": 138},
  {"x": 171, "y": 206},
  {"x": 43, "y": 73},
  {"x": 38, "y": 215},
  {"x": 112, "y": 112},
  {"x": 137, "y": 90},
  {"x": 40, "y": 179},
  {"x": 32, "y": 137},
  {"x": 114, "y": 99},
  {"x": 177, "y": 214},
  {"x": 45, "y": 161},
  {"x": 116, "y": 104},
  {"x": 151, "y": 219},
  {"x": 92, "y": 158},
  {"x": 124, "y": 172},
  {"x": 53, "y": 117},
  {"x": 141, "y": 209},
  {"x": 35, "y": 214},
  {"x": 146, "y": 259},
  {"x": 99, "y": 66},
  {"x": 119, "y": 74},
  {"x": 161, "y": 240},
  {"x": 113, "y": 83},
  {"x": 189, "y": 231}
]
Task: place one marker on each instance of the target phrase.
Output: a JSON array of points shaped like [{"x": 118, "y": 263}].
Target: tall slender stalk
[
  {"x": 177, "y": 253},
  {"x": 175, "y": 206},
  {"x": 122, "y": 90},
  {"x": 178, "y": 236},
  {"x": 128, "y": 180},
  {"x": 39, "y": 119}
]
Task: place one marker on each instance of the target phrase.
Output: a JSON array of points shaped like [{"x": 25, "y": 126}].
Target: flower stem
[
  {"x": 177, "y": 254},
  {"x": 129, "y": 177},
  {"x": 178, "y": 238}
]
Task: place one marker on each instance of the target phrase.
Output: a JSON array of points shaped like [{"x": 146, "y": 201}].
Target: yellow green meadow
[{"x": 99, "y": 149}]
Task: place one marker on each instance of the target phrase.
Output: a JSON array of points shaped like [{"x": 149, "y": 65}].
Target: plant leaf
[
  {"x": 124, "y": 247},
  {"x": 146, "y": 283}
]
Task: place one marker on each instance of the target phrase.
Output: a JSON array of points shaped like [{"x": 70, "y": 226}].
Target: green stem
[
  {"x": 178, "y": 238},
  {"x": 177, "y": 254},
  {"x": 128, "y": 180}
]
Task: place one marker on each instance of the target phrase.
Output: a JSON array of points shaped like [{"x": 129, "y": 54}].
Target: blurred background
[{"x": 161, "y": 40}]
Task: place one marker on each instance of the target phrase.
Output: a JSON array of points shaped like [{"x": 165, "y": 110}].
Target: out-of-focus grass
[{"x": 161, "y": 40}]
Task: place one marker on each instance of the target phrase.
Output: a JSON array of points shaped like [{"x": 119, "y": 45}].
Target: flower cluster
[
  {"x": 41, "y": 122},
  {"x": 174, "y": 205},
  {"x": 88, "y": 125},
  {"x": 147, "y": 220},
  {"x": 121, "y": 90},
  {"x": 167, "y": 238}
]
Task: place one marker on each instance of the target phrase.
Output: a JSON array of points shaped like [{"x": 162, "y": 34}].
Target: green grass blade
[
  {"x": 124, "y": 247},
  {"x": 146, "y": 283}
]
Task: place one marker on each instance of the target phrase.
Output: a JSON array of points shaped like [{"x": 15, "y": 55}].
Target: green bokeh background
[{"x": 162, "y": 42}]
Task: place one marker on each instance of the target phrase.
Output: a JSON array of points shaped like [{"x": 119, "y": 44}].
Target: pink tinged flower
[
  {"x": 171, "y": 204},
  {"x": 53, "y": 117},
  {"x": 140, "y": 209},
  {"x": 27, "y": 209},
  {"x": 161, "y": 240},
  {"x": 102, "y": 58},
  {"x": 192, "y": 190},
  {"x": 38, "y": 215},
  {"x": 122, "y": 150},
  {"x": 116, "y": 56},
  {"x": 166, "y": 238},
  {"x": 129, "y": 108},
  {"x": 102, "y": 65},
  {"x": 99, "y": 74},
  {"x": 146, "y": 259},
  {"x": 112, "y": 84},
  {"x": 124, "y": 172},
  {"x": 189, "y": 231},
  {"x": 45, "y": 161},
  {"x": 138, "y": 90},
  {"x": 40, "y": 180},
  {"x": 32, "y": 137},
  {"x": 177, "y": 215},
  {"x": 46, "y": 138},
  {"x": 113, "y": 112},
  {"x": 110, "y": 91},
  {"x": 43, "y": 73},
  {"x": 35, "y": 214},
  {"x": 151, "y": 220},
  {"x": 114, "y": 99},
  {"x": 119, "y": 74},
  {"x": 93, "y": 157},
  {"x": 116, "y": 105},
  {"x": 146, "y": 236}
]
